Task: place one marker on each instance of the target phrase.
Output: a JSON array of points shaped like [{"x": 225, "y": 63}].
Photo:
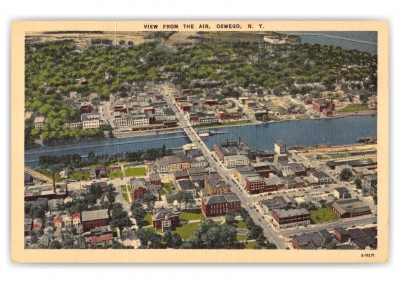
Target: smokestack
[{"x": 54, "y": 183}]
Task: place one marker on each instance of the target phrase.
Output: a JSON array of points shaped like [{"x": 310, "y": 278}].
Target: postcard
[{"x": 199, "y": 142}]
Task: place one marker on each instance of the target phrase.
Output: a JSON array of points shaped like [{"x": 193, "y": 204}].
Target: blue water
[
  {"x": 337, "y": 131},
  {"x": 346, "y": 39}
]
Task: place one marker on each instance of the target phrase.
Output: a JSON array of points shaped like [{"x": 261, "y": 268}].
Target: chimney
[{"x": 54, "y": 183}]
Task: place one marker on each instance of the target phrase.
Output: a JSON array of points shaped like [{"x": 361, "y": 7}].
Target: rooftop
[
  {"x": 291, "y": 212},
  {"x": 94, "y": 215}
]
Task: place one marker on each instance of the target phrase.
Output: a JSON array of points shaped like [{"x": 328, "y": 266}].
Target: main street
[{"x": 246, "y": 202}]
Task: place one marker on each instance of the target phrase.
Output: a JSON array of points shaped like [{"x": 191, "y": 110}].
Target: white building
[
  {"x": 38, "y": 122},
  {"x": 234, "y": 161},
  {"x": 90, "y": 121}
]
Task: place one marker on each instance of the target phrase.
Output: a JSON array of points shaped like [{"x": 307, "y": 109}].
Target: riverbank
[{"x": 147, "y": 132}]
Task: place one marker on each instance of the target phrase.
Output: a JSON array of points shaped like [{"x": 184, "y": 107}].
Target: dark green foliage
[
  {"x": 138, "y": 213},
  {"x": 149, "y": 239},
  {"x": 212, "y": 236},
  {"x": 120, "y": 218},
  {"x": 346, "y": 174}
]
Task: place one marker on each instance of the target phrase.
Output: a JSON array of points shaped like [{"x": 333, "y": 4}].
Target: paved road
[
  {"x": 223, "y": 172},
  {"x": 357, "y": 221},
  {"x": 279, "y": 237}
]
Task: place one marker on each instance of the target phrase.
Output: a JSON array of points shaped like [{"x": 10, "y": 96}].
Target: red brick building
[
  {"x": 138, "y": 188},
  {"x": 348, "y": 208},
  {"x": 166, "y": 218},
  {"x": 219, "y": 205},
  {"x": 185, "y": 107},
  {"x": 155, "y": 179},
  {"x": 93, "y": 219},
  {"x": 101, "y": 235},
  {"x": 341, "y": 234},
  {"x": 210, "y": 102},
  {"x": 255, "y": 184},
  {"x": 86, "y": 107}
]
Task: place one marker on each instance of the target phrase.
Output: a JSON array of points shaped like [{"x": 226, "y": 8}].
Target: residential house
[
  {"x": 58, "y": 222},
  {"x": 76, "y": 219}
]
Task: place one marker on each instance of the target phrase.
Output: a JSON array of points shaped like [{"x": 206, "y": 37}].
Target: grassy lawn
[
  {"x": 323, "y": 215},
  {"x": 117, "y": 174},
  {"x": 240, "y": 224},
  {"x": 168, "y": 188},
  {"x": 353, "y": 107},
  {"x": 148, "y": 219},
  {"x": 80, "y": 175},
  {"x": 135, "y": 172},
  {"x": 251, "y": 245},
  {"x": 125, "y": 193},
  {"x": 187, "y": 230},
  {"x": 241, "y": 237},
  {"x": 192, "y": 215}
]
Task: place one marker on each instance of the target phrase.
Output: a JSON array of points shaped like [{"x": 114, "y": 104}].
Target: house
[
  {"x": 138, "y": 187},
  {"x": 98, "y": 172},
  {"x": 100, "y": 185},
  {"x": 283, "y": 219},
  {"x": 93, "y": 219},
  {"x": 181, "y": 175},
  {"x": 28, "y": 225},
  {"x": 155, "y": 179},
  {"x": 219, "y": 205},
  {"x": 364, "y": 238},
  {"x": 369, "y": 184},
  {"x": 67, "y": 221},
  {"x": 37, "y": 224},
  {"x": 166, "y": 218},
  {"x": 321, "y": 178},
  {"x": 341, "y": 193},
  {"x": 101, "y": 235},
  {"x": 58, "y": 222},
  {"x": 76, "y": 219},
  {"x": 38, "y": 122},
  {"x": 347, "y": 208},
  {"x": 280, "y": 147},
  {"x": 215, "y": 186},
  {"x": 86, "y": 107},
  {"x": 319, "y": 239},
  {"x": 186, "y": 185},
  {"x": 341, "y": 234}
]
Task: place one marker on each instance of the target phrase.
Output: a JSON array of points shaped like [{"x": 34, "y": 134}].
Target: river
[
  {"x": 335, "y": 131},
  {"x": 358, "y": 40}
]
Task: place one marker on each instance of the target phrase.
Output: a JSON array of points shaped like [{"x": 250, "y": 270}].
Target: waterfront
[
  {"x": 337, "y": 131},
  {"x": 361, "y": 40}
]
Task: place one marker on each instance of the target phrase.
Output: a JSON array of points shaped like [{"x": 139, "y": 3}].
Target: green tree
[
  {"x": 230, "y": 218},
  {"x": 138, "y": 213},
  {"x": 345, "y": 175},
  {"x": 149, "y": 239},
  {"x": 358, "y": 183},
  {"x": 120, "y": 218}
]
